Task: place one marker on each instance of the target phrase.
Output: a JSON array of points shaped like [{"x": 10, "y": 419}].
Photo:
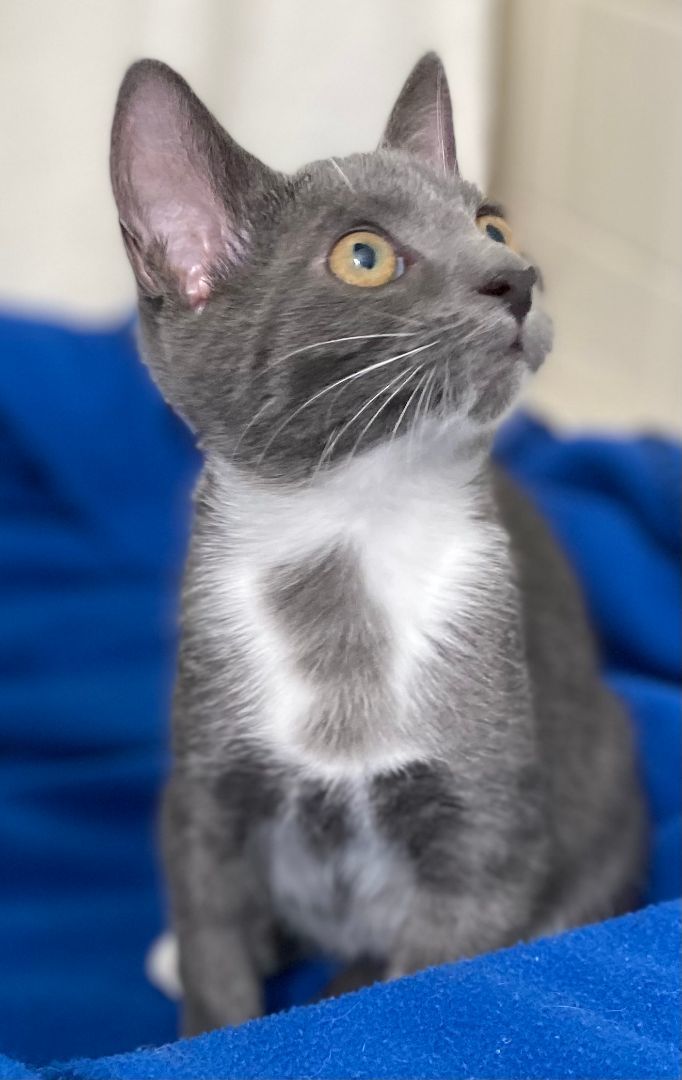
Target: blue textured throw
[{"x": 95, "y": 475}]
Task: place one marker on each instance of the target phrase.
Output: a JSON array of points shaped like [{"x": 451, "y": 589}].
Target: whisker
[
  {"x": 381, "y": 408},
  {"x": 419, "y": 415},
  {"x": 412, "y": 333},
  {"x": 431, "y": 389},
  {"x": 339, "y": 340},
  {"x": 335, "y": 395},
  {"x": 445, "y": 400},
  {"x": 326, "y": 449},
  {"x": 256, "y": 416},
  {"x": 404, "y": 410},
  {"x": 349, "y": 423},
  {"x": 415, "y": 420},
  {"x": 342, "y": 175},
  {"x": 339, "y": 382}
]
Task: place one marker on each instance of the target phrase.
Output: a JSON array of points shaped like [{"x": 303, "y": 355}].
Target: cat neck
[
  {"x": 445, "y": 465},
  {"x": 337, "y": 591}
]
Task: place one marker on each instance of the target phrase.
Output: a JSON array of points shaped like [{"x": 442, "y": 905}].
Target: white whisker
[
  {"x": 419, "y": 415},
  {"x": 432, "y": 386},
  {"x": 349, "y": 423},
  {"x": 339, "y": 340},
  {"x": 404, "y": 410},
  {"x": 256, "y": 416},
  {"x": 415, "y": 421},
  {"x": 445, "y": 400},
  {"x": 342, "y": 175},
  {"x": 339, "y": 382},
  {"x": 381, "y": 408}
]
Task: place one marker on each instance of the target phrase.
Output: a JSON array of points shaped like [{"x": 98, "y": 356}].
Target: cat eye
[
  {"x": 365, "y": 258},
  {"x": 496, "y": 228}
]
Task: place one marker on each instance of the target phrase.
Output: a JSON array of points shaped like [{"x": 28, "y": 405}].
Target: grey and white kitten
[{"x": 391, "y": 741}]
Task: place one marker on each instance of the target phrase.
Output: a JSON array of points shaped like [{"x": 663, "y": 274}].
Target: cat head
[{"x": 295, "y": 320}]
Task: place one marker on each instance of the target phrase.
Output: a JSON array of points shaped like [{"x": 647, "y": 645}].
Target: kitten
[{"x": 391, "y": 741}]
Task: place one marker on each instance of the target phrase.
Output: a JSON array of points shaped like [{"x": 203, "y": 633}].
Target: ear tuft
[
  {"x": 421, "y": 120},
  {"x": 183, "y": 187}
]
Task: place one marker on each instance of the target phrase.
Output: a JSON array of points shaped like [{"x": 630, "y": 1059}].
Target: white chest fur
[{"x": 407, "y": 513}]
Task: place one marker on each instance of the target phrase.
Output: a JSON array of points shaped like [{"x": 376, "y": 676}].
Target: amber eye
[
  {"x": 366, "y": 259},
  {"x": 497, "y": 229}
]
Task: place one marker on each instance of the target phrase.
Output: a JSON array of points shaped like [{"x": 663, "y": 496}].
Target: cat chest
[
  {"x": 339, "y": 641},
  {"x": 343, "y": 601}
]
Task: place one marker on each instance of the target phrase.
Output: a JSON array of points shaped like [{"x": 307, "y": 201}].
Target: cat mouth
[{"x": 517, "y": 343}]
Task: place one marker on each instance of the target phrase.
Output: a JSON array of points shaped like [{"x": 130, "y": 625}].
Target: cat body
[{"x": 391, "y": 742}]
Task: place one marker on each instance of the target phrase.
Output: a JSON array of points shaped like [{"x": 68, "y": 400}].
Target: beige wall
[
  {"x": 589, "y": 161},
  {"x": 292, "y": 79}
]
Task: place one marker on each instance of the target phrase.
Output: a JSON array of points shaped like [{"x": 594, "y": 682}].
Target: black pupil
[
  {"x": 364, "y": 255},
  {"x": 495, "y": 234}
]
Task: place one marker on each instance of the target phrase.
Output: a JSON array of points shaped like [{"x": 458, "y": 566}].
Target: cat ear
[
  {"x": 421, "y": 120},
  {"x": 181, "y": 184}
]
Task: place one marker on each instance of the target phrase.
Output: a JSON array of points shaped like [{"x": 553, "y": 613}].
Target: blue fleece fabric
[
  {"x": 14, "y": 1070},
  {"x": 95, "y": 475},
  {"x": 599, "y": 1002}
]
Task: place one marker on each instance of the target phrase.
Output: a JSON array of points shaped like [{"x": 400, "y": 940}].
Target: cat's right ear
[
  {"x": 183, "y": 187},
  {"x": 421, "y": 120}
]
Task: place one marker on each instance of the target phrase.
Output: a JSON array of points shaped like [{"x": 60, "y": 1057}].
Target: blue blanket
[{"x": 95, "y": 475}]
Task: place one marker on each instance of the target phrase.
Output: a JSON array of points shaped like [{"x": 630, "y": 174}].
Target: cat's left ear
[
  {"x": 184, "y": 189},
  {"x": 421, "y": 120}
]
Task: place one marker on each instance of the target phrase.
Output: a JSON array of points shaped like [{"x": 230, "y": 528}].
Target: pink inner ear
[
  {"x": 169, "y": 195},
  {"x": 195, "y": 239}
]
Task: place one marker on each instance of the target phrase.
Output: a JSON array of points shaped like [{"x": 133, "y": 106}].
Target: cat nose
[{"x": 514, "y": 288}]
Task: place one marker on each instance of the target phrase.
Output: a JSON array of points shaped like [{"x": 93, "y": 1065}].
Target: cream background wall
[{"x": 292, "y": 80}]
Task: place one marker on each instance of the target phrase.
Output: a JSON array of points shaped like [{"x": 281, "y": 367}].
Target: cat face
[{"x": 295, "y": 321}]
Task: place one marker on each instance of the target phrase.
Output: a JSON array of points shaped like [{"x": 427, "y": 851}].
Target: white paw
[{"x": 161, "y": 966}]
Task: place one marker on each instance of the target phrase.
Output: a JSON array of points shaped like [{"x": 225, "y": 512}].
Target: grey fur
[
  {"x": 342, "y": 643},
  {"x": 418, "y": 810},
  {"x": 516, "y": 811},
  {"x": 323, "y": 819},
  {"x": 323, "y": 604}
]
